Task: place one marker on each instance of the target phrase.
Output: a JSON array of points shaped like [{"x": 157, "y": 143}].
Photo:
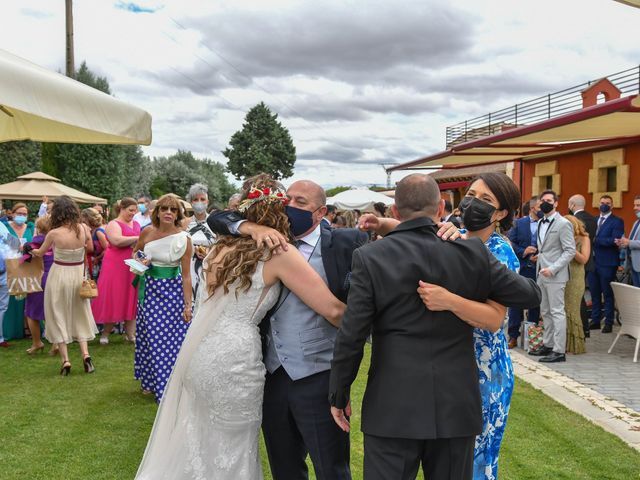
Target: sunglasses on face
[{"x": 165, "y": 208}]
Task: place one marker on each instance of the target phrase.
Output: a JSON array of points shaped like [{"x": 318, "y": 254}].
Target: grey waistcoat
[{"x": 298, "y": 338}]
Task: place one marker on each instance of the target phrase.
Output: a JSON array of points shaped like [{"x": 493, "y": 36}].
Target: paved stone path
[
  {"x": 613, "y": 375},
  {"x": 604, "y": 388}
]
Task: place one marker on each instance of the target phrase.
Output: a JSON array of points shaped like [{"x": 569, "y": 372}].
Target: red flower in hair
[
  {"x": 279, "y": 194},
  {"x": 254, "y": 194},
  {"x": 266, "y": 190}
]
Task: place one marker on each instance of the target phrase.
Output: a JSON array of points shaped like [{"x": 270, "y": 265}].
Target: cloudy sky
[{"x": 357, "y": 83}]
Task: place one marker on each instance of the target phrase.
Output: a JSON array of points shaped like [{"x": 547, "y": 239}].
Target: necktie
[{"x": 600, "y": 222}]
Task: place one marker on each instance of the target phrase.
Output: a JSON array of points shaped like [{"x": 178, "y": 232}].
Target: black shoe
[
  {"x": 541, "y": 352},
  {"x": 553, "y": 357},
  {"x": 66, "y": 368},
  {"x": 88, "y": 365},
  {"x": 607, "y": 329},
  {"x": 594, "y": 326}
]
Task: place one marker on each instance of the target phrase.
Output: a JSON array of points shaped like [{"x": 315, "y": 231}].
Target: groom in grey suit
[{"x": 556, "y": 249}]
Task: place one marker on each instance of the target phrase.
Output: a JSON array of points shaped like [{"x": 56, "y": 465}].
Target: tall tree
[
  {"x": 19, "y": 158},
  {"x": 176, "y": 173},
  {"x": 108, "y": 171},
  {"x": 263, "y": 145}
]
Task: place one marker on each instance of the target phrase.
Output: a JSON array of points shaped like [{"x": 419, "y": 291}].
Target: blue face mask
[
  {"x": 300, "y": 220},
  {"x": 142, "y": 207},
  {"x": 638, "y": 215},
  {"x": 20, "y": 219},
  {"x": 605, "y": 208}
]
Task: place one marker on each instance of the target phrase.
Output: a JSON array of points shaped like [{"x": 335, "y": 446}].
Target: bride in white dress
[{"x": 207, "y": 425}]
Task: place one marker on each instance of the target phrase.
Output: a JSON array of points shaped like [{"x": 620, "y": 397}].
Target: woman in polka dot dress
[{"x": 164, "y": 296}]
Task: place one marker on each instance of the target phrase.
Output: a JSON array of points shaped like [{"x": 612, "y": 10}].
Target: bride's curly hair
[{"x": 240, "y": 263}]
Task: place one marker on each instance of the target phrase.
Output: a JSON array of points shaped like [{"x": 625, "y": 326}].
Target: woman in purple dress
[{"x": 34, "y": 307}]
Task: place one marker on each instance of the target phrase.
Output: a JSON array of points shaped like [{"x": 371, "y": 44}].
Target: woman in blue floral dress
[{"x": 491, "y": 202}]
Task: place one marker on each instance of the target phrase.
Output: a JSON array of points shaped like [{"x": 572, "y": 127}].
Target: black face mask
[
  {"x": 546, "y": 207},
  {"x": 476, "y": 214},
  {"x": 300, "y": 220}
]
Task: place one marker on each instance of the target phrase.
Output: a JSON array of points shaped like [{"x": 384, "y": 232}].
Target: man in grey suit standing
[
  {"x": 632, "y": 244},
  {"x": 556, "y": 248}
]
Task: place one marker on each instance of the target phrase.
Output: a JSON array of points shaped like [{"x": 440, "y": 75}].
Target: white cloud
[{"x": 357, "y": 83}]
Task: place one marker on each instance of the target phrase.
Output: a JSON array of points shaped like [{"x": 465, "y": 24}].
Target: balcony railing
[{"x": 541, "y": 108}]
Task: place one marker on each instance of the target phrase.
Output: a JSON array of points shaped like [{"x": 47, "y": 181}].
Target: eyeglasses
[{"x": 165, "y": 208}]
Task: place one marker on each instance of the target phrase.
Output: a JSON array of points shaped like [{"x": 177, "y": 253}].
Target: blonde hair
[
  {"x": 241, "y": 263},
  {"x": 43, "y": 225},
  {"x": 91, "y": 217},
  {"x": 350, "y": 218},
  {"x": 579, "y": 229}
]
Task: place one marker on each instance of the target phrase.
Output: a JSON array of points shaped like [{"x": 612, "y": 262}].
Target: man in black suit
[
  {"x": 576, "y": 206},
  {"x": 298, "y": 343},
  {"x": 422, "y": 400}
]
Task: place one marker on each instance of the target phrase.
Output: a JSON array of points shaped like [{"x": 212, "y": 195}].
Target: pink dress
[{"x": 117, "y": 298}]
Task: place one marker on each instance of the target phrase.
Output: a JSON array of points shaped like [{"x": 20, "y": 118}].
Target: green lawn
[{"x": 96, "y": 426}]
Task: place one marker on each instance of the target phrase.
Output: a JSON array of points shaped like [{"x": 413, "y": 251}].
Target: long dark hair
[
  {"x": 65, "y": 213},
  {"x": 505, "y": 191}
]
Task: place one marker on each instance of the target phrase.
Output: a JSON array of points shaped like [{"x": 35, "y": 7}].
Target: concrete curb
[{"x": 609, "y": 414}]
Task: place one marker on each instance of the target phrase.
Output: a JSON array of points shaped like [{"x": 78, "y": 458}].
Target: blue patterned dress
[
  {"x": 496, "y": 379},
  {"x": 160, "y": 328}
]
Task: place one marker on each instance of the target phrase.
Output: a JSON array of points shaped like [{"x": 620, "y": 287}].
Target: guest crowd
[{"x": 151, "y": 301}]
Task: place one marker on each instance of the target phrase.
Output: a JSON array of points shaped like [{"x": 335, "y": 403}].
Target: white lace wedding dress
[{"x": 208, "y": 423}]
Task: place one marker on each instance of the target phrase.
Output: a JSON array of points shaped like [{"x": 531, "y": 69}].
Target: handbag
[
  {"x": 534, "y": 336},
  {"x": 89, "y": 288},
  {"x": 24, "y": 277}
]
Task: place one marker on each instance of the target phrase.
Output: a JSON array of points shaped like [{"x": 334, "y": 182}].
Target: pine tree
[{"x": 263, "y": 145}]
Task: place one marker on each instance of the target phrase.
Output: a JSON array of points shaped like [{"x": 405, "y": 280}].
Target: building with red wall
[{"x": 583, "y": 140}]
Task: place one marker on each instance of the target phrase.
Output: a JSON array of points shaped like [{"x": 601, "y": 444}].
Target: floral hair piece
[{"x": 262, "y": 194}]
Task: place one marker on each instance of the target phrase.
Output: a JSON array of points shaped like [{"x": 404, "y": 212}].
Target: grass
[{"x": 96, "y": 426}]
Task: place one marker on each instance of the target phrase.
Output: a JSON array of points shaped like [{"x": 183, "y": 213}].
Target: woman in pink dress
[{"x": 117, "y": 298}]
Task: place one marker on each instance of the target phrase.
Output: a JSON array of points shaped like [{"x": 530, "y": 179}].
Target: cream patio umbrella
[
  {"x": 41, "y": 105},
  {"x": 33, "y": 186}
]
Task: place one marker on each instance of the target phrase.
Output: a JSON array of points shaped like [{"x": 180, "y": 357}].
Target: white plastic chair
[{"x": 628, "y": 301}]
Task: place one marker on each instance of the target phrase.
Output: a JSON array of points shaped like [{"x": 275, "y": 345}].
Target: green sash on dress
[{"x": 155, "y": 272}]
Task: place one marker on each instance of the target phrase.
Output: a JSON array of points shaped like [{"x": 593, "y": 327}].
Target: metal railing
[{"x": 538, "y": 109}]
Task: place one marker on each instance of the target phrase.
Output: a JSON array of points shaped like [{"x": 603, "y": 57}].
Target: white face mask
[{"x": 199, "y": 207}]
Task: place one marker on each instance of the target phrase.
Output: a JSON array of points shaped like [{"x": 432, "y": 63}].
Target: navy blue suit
[
  {"x": 606, "y": 256},
  {"x": 521, "y": 238}
]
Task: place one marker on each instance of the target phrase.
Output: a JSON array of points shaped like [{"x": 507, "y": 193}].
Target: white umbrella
[
  {"x": 41, "y": 105},
  {"x": 358, "y": 199}
]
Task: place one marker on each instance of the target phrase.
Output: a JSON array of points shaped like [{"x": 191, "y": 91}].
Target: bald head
[
  {"x": 577, "y": 202},
  {"x": 313, "y": 191},
  {"x": 418, "y": 195}
]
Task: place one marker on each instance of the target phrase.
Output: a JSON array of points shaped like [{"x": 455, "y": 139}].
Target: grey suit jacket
[
  {"x": 633, "y": 250},
  {"x": 557, "y": 250}
]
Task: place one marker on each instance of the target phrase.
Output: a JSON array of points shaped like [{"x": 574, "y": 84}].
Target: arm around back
[
  {"x": 220, "y": 220},
  {"x": 509, "y": 288},
  {"x": 298, "y": 276}
]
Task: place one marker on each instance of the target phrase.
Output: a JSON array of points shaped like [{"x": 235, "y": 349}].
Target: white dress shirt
[
  {"x": 544, "y": 226},
  {"x": 307, "y": 244}
]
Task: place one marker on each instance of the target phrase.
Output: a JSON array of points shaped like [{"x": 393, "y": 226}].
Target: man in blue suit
[
  {"x": 523, "y": 238},
  {"x": 606, "y": 258}
]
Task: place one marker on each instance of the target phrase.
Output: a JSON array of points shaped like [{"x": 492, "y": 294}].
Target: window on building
[{"x": 612, "y": 184}]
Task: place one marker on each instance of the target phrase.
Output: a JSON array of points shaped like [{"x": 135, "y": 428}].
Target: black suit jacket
[
  {"x": 423, "y": 379},
  {"x": 591, "y": 225},
  {"x": 337, "y": 249}
]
